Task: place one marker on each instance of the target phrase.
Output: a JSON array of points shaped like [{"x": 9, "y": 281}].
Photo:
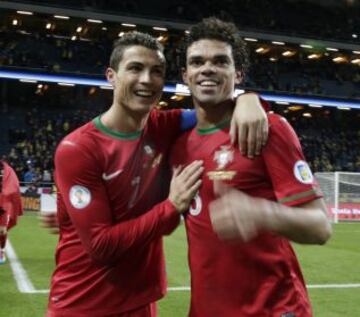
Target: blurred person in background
[{"x": 10, "y": 204}]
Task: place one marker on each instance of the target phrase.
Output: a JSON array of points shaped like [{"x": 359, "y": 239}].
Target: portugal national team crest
[
  {"x": 222, "y": 158},
  {"x": 149, "y": 150},
  {"x": 151, "y": 157}
]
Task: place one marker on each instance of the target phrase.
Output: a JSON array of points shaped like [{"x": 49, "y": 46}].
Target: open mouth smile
[{"x": 144, "y": 93}]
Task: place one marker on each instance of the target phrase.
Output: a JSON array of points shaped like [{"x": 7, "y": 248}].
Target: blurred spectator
[
  {"x": 46, "y": 177},
  {"x": 29, "y": 175},
  {"x": 32, "y": 190}
]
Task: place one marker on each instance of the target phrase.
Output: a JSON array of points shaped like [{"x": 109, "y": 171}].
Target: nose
[
  {"x": 208, "y": 68},
  {"x": 145, "y": 77}
]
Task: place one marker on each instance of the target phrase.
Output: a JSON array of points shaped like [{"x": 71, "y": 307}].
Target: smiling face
[
  {"x": 139, "y": 79},
  {"x": 210, "y": 72}
]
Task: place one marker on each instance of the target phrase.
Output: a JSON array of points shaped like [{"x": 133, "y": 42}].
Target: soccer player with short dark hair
[
  {"x": 114, "y": 202},
  {"x": 240, "y": 223}
]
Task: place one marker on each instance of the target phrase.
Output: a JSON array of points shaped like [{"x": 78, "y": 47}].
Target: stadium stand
[
  {"x": 278, "y": 15},
  {"x": 297, "y": 74},
  {"x": 39, "y": 117}
]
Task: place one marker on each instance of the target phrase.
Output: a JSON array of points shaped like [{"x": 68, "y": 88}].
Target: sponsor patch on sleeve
[
  {"x": 80, "y": 196},
  {"x": 303, "y": 172}
]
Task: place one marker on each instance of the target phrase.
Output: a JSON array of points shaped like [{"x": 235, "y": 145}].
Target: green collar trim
[
  {"x": 218, "y": 127},
  {"x": 115, "y": 134}
]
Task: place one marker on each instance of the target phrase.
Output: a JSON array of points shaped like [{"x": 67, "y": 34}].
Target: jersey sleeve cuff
[
  {"x": 301, "y": 198},
  {"x": 171, "y": 217}
]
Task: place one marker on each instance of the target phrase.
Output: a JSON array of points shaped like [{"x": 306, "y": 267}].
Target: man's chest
[
  {"x": 129, "y": 174},
  {"x": 222, "y": 162}
]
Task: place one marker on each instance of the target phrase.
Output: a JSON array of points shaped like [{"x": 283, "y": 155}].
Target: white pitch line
[
  {"x": 187, "y": 288},
  {"x": 22, "y": 280},
  {"x": 179, "y": 288},
  {"x": 25, "y": 286},
  {"x": 334, "y": 286},
  {"x": 40, "y": 291}
]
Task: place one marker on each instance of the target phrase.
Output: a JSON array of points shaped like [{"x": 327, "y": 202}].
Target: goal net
[{"x": 341, "y": 194}]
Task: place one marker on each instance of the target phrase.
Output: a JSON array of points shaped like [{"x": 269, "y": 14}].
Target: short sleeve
[{"x": 291, "y": 177}]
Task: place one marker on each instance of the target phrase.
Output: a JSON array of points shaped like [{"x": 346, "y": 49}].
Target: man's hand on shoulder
[{"x": 249, "y": 125}]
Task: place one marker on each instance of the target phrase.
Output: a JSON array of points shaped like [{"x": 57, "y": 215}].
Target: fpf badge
[{"x": 222, "y": 157}]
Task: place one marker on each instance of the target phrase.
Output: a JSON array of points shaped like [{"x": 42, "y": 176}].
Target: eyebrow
[
  {"x": 136, "y": 63},
  {"x": 218, "y": 56}
]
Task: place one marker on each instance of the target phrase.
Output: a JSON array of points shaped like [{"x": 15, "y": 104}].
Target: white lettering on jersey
[
  {"x": 79, "y": 196},
  {"x": 196, "y": 205},
  {"x": 107, "y": 177}
]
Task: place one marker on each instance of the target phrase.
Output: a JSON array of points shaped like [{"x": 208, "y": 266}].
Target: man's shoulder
[
  {"x": 278, "y": 124},
  {"x": 82, "y": 134},
  {"x": 79, "y": 139},
  {"x": 275, "y": 119},
  {"x": 163, "y": 126},
  {"x": 158, "y": 113},
  {"x": 165, "y": 118}
]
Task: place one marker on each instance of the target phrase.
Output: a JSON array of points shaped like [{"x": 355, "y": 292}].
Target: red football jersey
[
  {"x": 261, "y": 278},
  {"x": 109, "y": 258},
  {"x": 10, "y": 197}
]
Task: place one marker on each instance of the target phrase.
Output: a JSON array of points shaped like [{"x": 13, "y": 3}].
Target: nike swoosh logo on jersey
[
  {"x": 66, "y": 142},
  {"x": 107, "y": 177}
]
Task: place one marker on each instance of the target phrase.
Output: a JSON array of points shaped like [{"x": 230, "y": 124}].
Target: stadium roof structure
[
  {"x": 44, "y": 9},
  {"x": 178, "y": 88}
]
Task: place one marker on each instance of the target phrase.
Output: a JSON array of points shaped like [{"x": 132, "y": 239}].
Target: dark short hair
[
  {"x": 215, "y": 29},
  {"x": 132, "y": 39}
]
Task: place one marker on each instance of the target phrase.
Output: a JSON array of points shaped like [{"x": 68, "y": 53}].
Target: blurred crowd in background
[
  {"x": 330, "y": 142},
  {"x": 328, "y": 145},
  {"x": 301, "y": 18},
  {"x": 296, "y": 74}
]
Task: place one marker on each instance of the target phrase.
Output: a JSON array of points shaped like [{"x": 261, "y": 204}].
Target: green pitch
[{"x": 335, "y": 263}]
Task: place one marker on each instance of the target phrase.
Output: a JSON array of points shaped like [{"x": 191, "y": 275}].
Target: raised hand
[{"x": 184, "y": 185}]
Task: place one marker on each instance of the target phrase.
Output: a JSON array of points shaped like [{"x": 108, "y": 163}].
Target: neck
[
  {"x": 122, "y": 119},
  {"x": 209, "y": 116}
]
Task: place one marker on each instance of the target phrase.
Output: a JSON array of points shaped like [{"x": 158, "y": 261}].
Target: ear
[
  {"x": 111, "y": 76},
  {"x": 239, "y": 76},
  {"x": 184, "y": 75}
]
